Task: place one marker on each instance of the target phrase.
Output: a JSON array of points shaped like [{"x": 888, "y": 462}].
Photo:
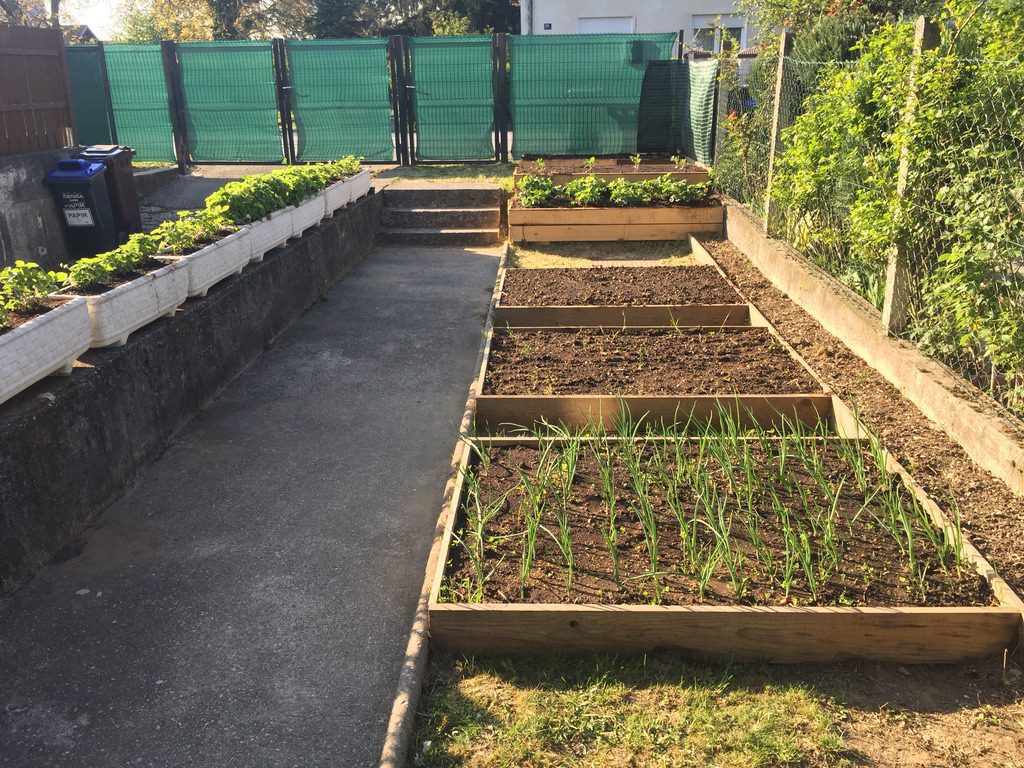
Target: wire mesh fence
[
  {"x": 138, "y": 92},
  {"x": 233, "y": 118},
  {"x": 453, "y": 97},
  {"x": 340, "y": 99},
  {"x": 579, "y": 94},
  {"x": 88, "y": 96},
  {"x": 900, "y": 173}
]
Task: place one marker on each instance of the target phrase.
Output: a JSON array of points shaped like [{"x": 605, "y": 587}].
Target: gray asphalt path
[{"x": 247, "y": 603}]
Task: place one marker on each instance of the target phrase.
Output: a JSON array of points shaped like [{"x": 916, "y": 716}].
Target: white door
[{"x": 600, "y": 25}]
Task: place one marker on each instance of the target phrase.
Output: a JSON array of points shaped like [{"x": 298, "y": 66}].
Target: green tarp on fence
[
  {"x": 92, "y": 124},
  {"x": 139, "y": 96},
  {"x": 340, "y": 99},
  {"x": 698, "y": 143},
  {"x": 453, "y": 97},
  {"x": 230, "y": 101},
  {"x": 579, "y": 94}
]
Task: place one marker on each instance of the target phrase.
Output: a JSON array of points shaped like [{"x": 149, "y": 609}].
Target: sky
[{"x": 98, "y": 15}]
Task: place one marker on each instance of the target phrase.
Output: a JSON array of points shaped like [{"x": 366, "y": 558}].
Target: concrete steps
[{"x": 441, "y": 215}]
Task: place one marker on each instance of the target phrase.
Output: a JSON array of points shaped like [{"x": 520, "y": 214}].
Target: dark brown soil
[
  {"x": 991, "y": 513},
  {"x": 616, "y": 286},
  {"x": 688, "y": 361},
  {"x": 22, "y": 316},
  {"x": 872, "y": 570},
  {"x": 151, "y": 266}
]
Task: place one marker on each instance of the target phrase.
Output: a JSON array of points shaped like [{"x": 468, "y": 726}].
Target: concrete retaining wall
[
  {"x": 961, "y": 410},
  {"x": 31, "y": 226},
  {"x": 70, "y": 447}
]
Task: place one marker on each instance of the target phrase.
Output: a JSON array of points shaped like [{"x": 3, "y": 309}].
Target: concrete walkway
[{"x": 248, "y": 602}]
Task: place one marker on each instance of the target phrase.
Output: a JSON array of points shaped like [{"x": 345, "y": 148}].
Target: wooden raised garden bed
[
  {"x": 546, "y": 225},
  {"x": 564, "y": 170},
  {"x": 870, "y": 604},
  {"x": 585, "y": 376},
  {"x": 618, "y": 297}
]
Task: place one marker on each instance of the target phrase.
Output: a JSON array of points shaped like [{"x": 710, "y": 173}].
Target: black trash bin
[
  {"x": 124, "y": 198},
  {"x": 80, "y": 187}
]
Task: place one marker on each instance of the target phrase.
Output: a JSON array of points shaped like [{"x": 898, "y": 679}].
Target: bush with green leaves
[
  {"x": 959, "y": 223},
  {"x": 192, "y": 230},
  {"x": 97, "y": 271}
]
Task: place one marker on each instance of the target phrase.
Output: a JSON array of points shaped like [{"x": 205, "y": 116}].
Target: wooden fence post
[
  {"x": 175, "y": 103},
  {"x": 775, "y": 142},
  {"x": 901, "y": 277}
]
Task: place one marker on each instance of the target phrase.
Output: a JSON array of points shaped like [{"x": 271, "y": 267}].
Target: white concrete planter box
[
  {"x": 210, "y": 265},
  {"x": 360, "y": 184},
  {"x": 307, "y": 214},
  {"x": 44, "y": 345},
  {"x": 267, "y": 234},
  {"x": 337, "y": 196},
  {"x": 120, "y": 311}
]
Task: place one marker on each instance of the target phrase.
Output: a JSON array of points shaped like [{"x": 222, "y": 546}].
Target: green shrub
[
  {"x": 629, "y": 193},
  {"x": 192, "y": 231},
  {"x": 23, "y": 285}
]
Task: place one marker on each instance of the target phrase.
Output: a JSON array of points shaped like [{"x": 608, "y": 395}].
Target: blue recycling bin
[{"x": 80, "y": 188}]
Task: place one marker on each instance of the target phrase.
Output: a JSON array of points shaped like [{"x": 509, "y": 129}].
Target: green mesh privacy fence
[
  {"x": 453, "y": 97},
  {"x": 579, "y": 94},
  {"x": 139, "y": 96},
  {"x": 230, "y": 101},
  {"x": 698, "y": 140},
  {"x": 340, "y": 99},
  {"x": 92, "y": 124}
]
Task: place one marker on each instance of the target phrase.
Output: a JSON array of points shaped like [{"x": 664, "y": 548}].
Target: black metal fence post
[
  {"x": 176, "y": 103},
  {"x": 499, "y": 49},
  {"x": 408, "y": 103},
  {"x": 284, "y": 98},
  {"x": 108, "y": 102},
  {"x": 397, "y": 64}
]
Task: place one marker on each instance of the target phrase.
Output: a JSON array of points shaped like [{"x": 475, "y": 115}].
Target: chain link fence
[{"x": 901, "y": 173}]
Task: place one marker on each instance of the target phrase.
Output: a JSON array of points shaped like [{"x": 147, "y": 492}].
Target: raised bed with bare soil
[
  {"x": 618, "y": 296},
  {"x": 579, "y": 376},
  {"x": 791, "y": 547}
]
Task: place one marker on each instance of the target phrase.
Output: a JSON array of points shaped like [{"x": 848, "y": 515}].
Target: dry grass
[{"x": 655, "y": 254}]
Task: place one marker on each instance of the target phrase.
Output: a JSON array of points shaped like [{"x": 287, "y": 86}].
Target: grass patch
[
  {"x": 654, "y": 253},
  {"x": 606, "y": 711},
  {"x": 498, "y": 173}
]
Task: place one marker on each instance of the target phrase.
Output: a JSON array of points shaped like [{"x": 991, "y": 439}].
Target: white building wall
[{"x": 562, "y": 17}]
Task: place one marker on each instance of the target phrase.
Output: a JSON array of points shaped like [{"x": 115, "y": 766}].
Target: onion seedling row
[{"x": 725, "y": 517}]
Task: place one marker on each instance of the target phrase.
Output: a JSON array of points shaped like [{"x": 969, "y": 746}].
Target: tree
[
  {"x": 449, "y": 23},
  {"x": 150, "y": 21},
  {"x": 11, "y": 12}
]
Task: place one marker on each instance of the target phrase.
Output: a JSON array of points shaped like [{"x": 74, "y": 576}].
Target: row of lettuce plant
[
  {"x": 538, "y": 191},
  {"x": 25, "y": 286}
]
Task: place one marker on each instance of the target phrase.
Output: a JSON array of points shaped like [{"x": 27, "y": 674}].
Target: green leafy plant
[
  {"x": 23, "y": 285},
  {"x": 587, "y": 191},
  {"x": 537, "y": 191},
  {"x": 589, "y": 163},
  {"x": 636, "y": 160}
]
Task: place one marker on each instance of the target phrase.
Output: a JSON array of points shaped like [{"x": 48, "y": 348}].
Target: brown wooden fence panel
[{"x": 35, "y": 101}]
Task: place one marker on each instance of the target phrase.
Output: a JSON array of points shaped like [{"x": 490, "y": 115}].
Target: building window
[{"x": 710, "y": 33}]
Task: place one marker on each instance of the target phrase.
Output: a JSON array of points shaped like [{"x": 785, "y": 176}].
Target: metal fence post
[
  {"x": 499, "y": 57},
  {"x": 408, "y": 103},
  {"x": 108, "y": 102},
  {"x": 284, "y": 99},
  {"x": 902, "y": 277},
  {"x": 775, "y": 142},
  {"x": 175, "y": 103},
  {"x": 397, "y": 63}
]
